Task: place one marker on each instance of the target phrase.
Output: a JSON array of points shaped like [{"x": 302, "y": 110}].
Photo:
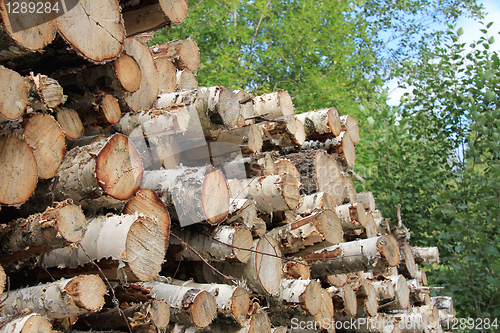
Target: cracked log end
[
  {"x": 87, "y": 291},
  {"x": 240, "y": 304},
  {"x": 145, "y": 249},
  {"x": 119, "y": 168}
]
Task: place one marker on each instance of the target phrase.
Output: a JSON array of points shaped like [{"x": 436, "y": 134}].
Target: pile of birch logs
[{"x": 133, "y": 200}]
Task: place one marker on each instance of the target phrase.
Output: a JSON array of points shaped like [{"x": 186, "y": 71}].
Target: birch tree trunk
[
  {"x": 352, "y": 216},
  {"x": 25, "y": 323},
  {"x": 232, "y": 302},
  {"x": 262, "y": 272},
  {"x": 429, "y": 255},
  {"x": 191, "y": 194},
  {"x": 100, "y": 173},
  {"x": 363, "y": 255},
  {"x": 212, "y": 247},
  {"x": 56, "y": 227},
  {"x": 321, "y": 124},
  {"x": 306, "y": 235},
  {"x": 313, "y": 202},
  {"x": 188, "y": 305},
  {"x": 273, "y": 105},
  {"x": 62, "y": 299},
  {"x": 305, "y": 293},
  {"x": 133, "y": 241}
]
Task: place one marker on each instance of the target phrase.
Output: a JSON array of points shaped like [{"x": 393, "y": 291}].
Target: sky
[{"x": 471, "y": 33}]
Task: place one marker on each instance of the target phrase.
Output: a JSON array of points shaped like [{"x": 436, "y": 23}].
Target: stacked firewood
[{"x": 133, "y": 200}]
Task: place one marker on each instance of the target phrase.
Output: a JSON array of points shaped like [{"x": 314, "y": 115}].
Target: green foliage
[
  {"x": 319, "y": 51},
  {"x": 438, "y": 155}
]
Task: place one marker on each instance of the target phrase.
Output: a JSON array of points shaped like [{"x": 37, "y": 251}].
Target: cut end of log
[
  {"x": 70, "y": 221},
  {"x": 291, "y": 192},
  {"x": 13, "y": 101},
  {"x": 350, "y": 301},
  {"x": 389, "y": 250},
  {"x": 311, "y": 298},
  {"x": 145, "y": 258},
  {"x": 148, "y": 203},
  {"x": 111, "y": 109},
  {"x": 89, "y": 24},
  {"x": 334, "y": 121},
  {"x": 33, "y": 324},
  {"x": 269, "y": 268},
  {"x": 18, "y": 170},
  {"x": 3, "y": 279},
  {"x": 328, "y": 223},
  {"x": 87, "y": 291},
  {"x": 240, "y": 304},
  {"x": 70, "y": 123},
  {"x": 45, "y": 136},
  {"x": 242, "y": 239},
  {"x": 328, "y": 176},
  {"x": 325, "y": 314},
  {"x": 285, "y": 101},
  {"x": 119, "y": 168},
  {"x": 175, "y": 10},
  {"x": 350, "y": 125},
  {"x": 128, "y": 72},
  {"x": 160, "y": 313},
  {"x": 216, "y": 207},
  {"x": 167, "y": 74},
  {"x": 203, "y": 309}
]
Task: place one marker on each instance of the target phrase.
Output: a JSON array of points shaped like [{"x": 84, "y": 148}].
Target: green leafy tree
[{"x": 438, "y": 155}]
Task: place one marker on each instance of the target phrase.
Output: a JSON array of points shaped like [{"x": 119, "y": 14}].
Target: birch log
[
  {"x": 62, "y": 299},
  {"x": 89, "y": 24},
  {"x": 18, "y": 170},
  {"x": 144, "y": 97},
  {"x": 313, "y": 202},
  {"x": 167, "y": 74},
  {"x": 303, "y": 293},
  {"x": 328, "y": 177},
  {"x": 227, "y": 243},
  {"x": 100, "y": 173},
  {"x": 321, "y": 124},
  {"x": 350, "y": 125},
  {"x": 363, "y": 255},
  {"x": 183, "y": 54},
  {"x": 407, "y": 265},
  {"x": 56, "y": 227},
  {"x": 350, "y": 195},
  {"x": 429, "y": 255},
  {"x": 257, "y": 323},
  {"x": 133, "y": 241},
  {"x": 186, "y": 80},
  {"x": 306, "y": 235},
  {"x": 344, "y": 301},
  {"x": 273, "y": 193},
  {"x": 151, "y": 316},
  {"x": 188, "y": 305},
  {"x": 273, "y": 105},
  {"x": 352, "y": 216},
  {"x": 217, "y": 108},
  {"x": 191, "y": 194},
  {"x": 367, "y": 199},
  {"x": 232, "y": 301},
  {"x": 401, "y": 300},
  {"x": 262, "y": 272},
  {"x": 26, "y": 33},
  {"x": 25, "y": 323},
  {"x": 155, "y": 15}
]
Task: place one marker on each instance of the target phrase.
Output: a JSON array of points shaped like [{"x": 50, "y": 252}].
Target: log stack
[{"x": 145, "y": 203}]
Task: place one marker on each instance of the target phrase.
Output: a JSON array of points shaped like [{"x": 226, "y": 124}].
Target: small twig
[
  {"x": 114, "y": 299},
  {"x": 203, "y": 259}
]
